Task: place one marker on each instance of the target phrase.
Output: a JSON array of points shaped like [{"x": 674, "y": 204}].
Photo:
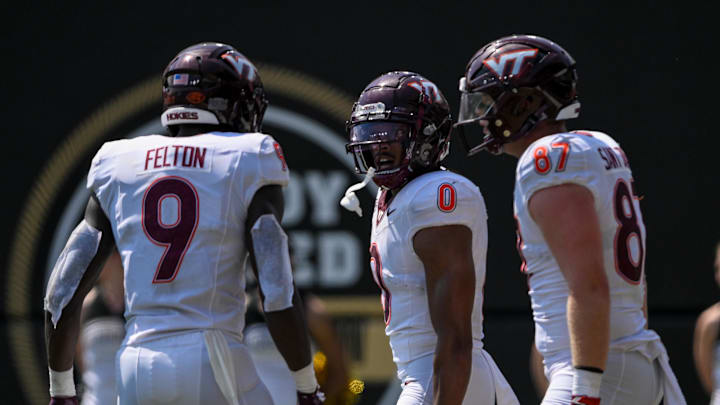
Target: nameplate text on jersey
[
  {"x": 614, "y": 158},
  {"x": 177, "y": 157}
]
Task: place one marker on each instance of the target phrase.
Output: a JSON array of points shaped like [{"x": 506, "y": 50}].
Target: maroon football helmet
[
  {"x": 400, "y": 107},
  {"x": 509, "y": 86},
  {"x": 213, "y": 83}
]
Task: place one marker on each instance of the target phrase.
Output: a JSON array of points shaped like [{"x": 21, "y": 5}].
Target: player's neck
[{"x": 543, "y": 129}]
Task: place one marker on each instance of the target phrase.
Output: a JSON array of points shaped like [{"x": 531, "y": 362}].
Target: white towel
[
  {"x": 504, "y": 395},
  {"x": 222, "y": 364},
  {"x": 672, "y": 394}
]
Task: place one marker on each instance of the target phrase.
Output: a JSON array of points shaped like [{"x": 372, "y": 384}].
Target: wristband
[
  {"x": 587, "y": 382},
  {"x": 62, "y": 383},
  {"x": 305, "y": 380}
]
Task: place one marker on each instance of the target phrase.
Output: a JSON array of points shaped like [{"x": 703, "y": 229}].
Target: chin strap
[{"x": 350, "y": 201}]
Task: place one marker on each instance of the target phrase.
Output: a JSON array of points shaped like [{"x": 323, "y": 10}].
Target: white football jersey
[
  {"x": 178, "y": 206},
  {"x": 595, "y": 161},
  {"x": 433, "y": 199}
]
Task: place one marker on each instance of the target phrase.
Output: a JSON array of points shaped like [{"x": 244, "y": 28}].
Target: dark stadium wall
[{"x": 74, "y": 77}]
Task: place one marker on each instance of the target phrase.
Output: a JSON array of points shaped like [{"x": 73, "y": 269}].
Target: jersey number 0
[{"x": 174, "y": 237}]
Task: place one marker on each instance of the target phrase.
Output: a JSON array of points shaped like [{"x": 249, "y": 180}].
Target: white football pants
[
  {"x": 486, "y": 382},
  {"x": 270, "y": 364},
  {"x": 177, "y": 370},
  {"x": 630, "y": 378}
]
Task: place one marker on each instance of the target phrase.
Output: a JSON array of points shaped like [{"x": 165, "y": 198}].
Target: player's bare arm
[
  {"x": 568, "y": 221},
  {"x": 267, "y": 243},
  {"x": 706, "y": 332},
  {"x": 446, "y": 253},
  {"x": 79, "y": 359},
  {"x": 62, "y": 323}
]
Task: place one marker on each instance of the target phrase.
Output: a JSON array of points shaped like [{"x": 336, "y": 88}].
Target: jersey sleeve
[
  {"x": 556, "y": 160},
  {"x": 270, "y": 168},
  {"x": 446, "y": 201},
  {"x": 100, "y": 175}
]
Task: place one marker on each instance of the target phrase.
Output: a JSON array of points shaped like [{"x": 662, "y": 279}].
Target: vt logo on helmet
[
  {"x": 499, "y": 63},
  {"x": 213, "y": 83},
  {"x": 512, "y": 84},
  {"x": 400, "y": 127}
]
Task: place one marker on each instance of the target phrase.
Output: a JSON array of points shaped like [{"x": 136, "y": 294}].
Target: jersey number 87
[{"x": 627, "y": 265}]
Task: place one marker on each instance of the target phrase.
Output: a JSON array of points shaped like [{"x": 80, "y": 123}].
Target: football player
[
  {"x": 428, "y": 244},
  {"x": 580, "y": 228},
  {"x": 706, "y": 346},
  {"x": 185, "y": 211}
]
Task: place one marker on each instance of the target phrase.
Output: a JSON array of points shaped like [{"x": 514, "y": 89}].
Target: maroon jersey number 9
[{"x": 174, "y": 237}]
